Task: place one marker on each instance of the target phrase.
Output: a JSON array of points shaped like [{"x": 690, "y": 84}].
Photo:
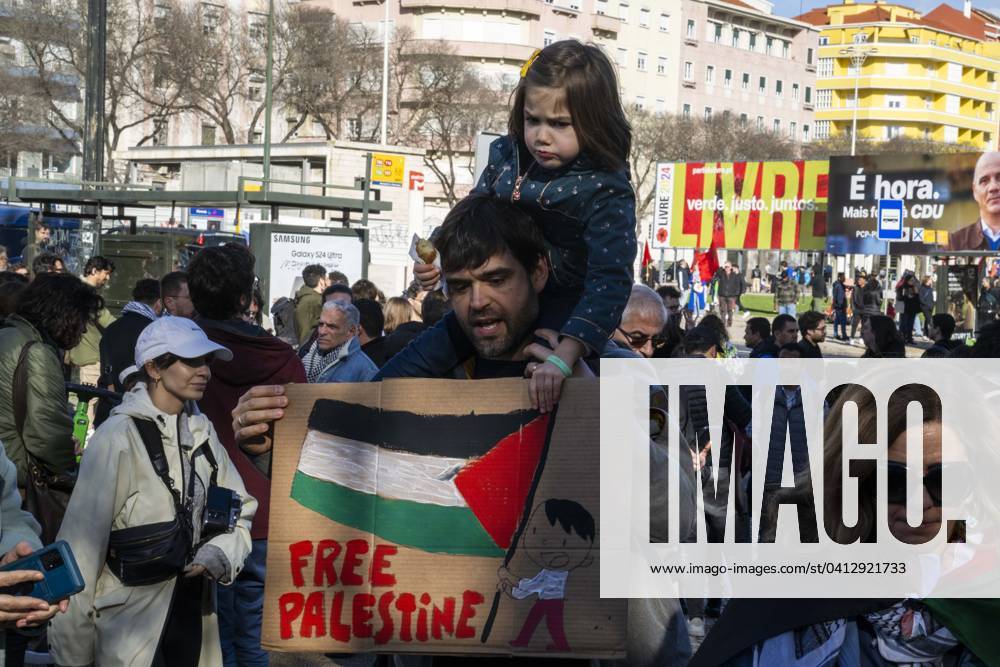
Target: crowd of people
[{"x": 535, "y": 280}]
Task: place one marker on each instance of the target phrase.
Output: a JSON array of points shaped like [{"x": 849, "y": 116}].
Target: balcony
[
  {"x": 516, "y": 53},
  {"x": 605, "y": 24},
  {"x": 688, "y": 83},
  {"x": 527, "y": 7}
]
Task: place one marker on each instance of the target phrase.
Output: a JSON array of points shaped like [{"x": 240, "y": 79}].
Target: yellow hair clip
[{"x": 527, "y": 65}]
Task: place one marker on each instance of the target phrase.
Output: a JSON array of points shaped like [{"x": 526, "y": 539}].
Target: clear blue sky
[{"x": 791, "y": 7}]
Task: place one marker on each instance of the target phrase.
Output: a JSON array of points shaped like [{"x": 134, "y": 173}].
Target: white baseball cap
[
  {"x": 124, "y": 375},
  {"x": 178, "y": 336}
]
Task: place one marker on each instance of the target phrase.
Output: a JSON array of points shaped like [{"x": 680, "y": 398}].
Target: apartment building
[
  {"x": 930, "y": 76},
  {"x": 738, "y": 58}
]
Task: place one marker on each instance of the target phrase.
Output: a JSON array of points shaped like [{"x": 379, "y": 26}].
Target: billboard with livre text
[{"x": 766, "y": 205}]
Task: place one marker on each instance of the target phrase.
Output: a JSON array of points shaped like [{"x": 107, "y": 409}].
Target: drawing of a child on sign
[{"x": 558, "y": 538}]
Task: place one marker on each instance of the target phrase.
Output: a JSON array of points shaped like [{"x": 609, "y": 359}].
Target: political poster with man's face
[{"x": 940, "y": 203}]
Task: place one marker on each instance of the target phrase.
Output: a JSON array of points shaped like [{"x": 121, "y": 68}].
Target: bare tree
[{"x": 57, "y": 50}]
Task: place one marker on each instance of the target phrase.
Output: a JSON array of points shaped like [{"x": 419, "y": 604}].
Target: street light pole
[
  {"x": 857, "y": 56},
  {"x": 268, "y": 95},
  {"x": 385, "y": 73}
]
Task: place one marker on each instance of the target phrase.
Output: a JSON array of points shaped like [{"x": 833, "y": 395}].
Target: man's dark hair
[
  {"x": 337, "y": 278},
  {"x": 433, "y": 307},
  {"x": 760, "y": 326},
  {"x": 45, "y": 263},
  {"x": 312, "y": 274},
  {"x": 781, "y": 321},
  {"x": 790, "y": 347},
  {"x": 372, "y": 317},
  {"x": 98, "y": 263},
  {"x": 221, "y": 281},
  {"x": 668, "y": 291},
  {"x": 987, "y": 342},
  {"x": 11, "y": 286},
  {"x": 61, "y": 306},
  {"x": 337, "y": 288},
  {"x": 944, "y": 323},
  {"x": 364, "y": 289},
  {"x": 841, "y": 276},
  {"x": 810, "y": 320},
  {"x": 572, "y": 517},
  {"x": 480, "y": 227},
  {"x": 146, "y": 290},
  {"x": 41, "y": 222},
  {"x": 170, "y": 284},
  {"x": 701, "y": 339}
]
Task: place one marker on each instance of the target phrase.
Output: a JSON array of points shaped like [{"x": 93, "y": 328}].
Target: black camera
[{"x": 222, "y": 511}]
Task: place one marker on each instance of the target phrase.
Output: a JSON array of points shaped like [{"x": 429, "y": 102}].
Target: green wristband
[{"x": 560, "y": 364}]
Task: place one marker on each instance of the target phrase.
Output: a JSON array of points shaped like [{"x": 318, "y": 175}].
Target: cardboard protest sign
[{"x": 437, "y": 516}]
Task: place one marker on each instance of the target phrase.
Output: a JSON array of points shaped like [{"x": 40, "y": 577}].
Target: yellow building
[{"x": 927, "y": 76}]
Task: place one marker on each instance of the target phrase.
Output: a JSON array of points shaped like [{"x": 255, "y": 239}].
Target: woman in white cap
[{"x": 158, "y": 517}]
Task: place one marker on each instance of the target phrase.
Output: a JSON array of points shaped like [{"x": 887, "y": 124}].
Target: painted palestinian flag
[{"x": 439, "y": 483}]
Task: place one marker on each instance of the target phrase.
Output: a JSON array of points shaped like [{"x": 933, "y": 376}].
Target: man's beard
[{"x": 515, "y": 328}]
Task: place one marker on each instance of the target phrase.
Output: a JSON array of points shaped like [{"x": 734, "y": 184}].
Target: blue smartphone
[{"x": 56, "y": 562}]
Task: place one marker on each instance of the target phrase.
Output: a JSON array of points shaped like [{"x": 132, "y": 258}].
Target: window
[
  {"x": 257, "y": 29},
  {"x": 931, "y": 71},
  {"x": 929, "y": 102},
  {"x": 809, "y": 95},
  {"x": 211, "y": 18},
  {"x": 602, "y": 6},
  {"x": 160, "y": 131},
  {"x": 809, "y": 56},
  {"x": 686, "y": 110},
  {"x": 760, "y": 123},
  {"x": 824, "y": 98},
  {"x": 795, "y": 92},
  {"x": 727, "y": 79},
  {"x": 752, "y": 44},
  {"x": 736, "y": 38},
  {"x": 777, "y": 126},
  {"x": 354, "y": 129},
  {"x": 895, "y": 70},
  {"x": 548, "y": 38},
  {"x": 640, "y": 61},
  {"x": 743, "y": 121},
  {"x": 708, "y": 113},
  {"x": 824, "y": 67},
  {"x": 893, "y": 131},
  {"x": 822, "y": 129},
  {"x": 207, "y": 134},
  {"x": 778, "y": 89},
  {"x": 805, "y": 133},
  {"x": 769, "y": 46},
  {"x": 792, "y": 127},
  {"x": 622, "y": 57},
  {"x": 745, "y": 83},
  {"x": 860, "y": 38},
  {"x": 623, "y": 11},
  {"x": 762, "y": 85},
  {"x": 661, "y": 105},
  {"x": 661, "y": 66},
  {"x": 914, "y": 39},
  {"x": 644, "y": 18},
  {"x": 688, "y": 70},
  {"x": 954, "y": 72},
  {"x": 895, "y": 101},
  {"x": 640, "y": 103},
  {"x": 664, "y": 22},
  {"x": 823, "y": 41},
  {"x": 691, "y": 28},
  {"x": 785, "y": 49},
  {"x": 256, "y": 136},
  {"x": 952, "y": 103},
  {"x": 710, "y": 75},
  {"x": 716, "y": 29}
]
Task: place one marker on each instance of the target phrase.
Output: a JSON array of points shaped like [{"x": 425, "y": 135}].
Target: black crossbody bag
[{"x": 155, "y": 552}]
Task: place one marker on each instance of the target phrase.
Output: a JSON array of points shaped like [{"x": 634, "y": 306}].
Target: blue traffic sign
[
  {"x": 208, "y": 212},
  {"x": 890, "y": 219}
]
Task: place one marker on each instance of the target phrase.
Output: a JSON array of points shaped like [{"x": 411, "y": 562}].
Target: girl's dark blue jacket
[{"x": 587, "y": 217}]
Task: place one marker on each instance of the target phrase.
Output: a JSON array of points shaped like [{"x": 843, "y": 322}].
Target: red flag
[
  {"x": 647, "y": 257},
  {"x": 707, "y": 262}
]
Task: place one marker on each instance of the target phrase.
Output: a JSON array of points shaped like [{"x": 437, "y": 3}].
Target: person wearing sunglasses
[
  {"x": 149, "y": 553},
  {"x": 642, "y": 322},
  {"x": 951, "y": 631}
]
